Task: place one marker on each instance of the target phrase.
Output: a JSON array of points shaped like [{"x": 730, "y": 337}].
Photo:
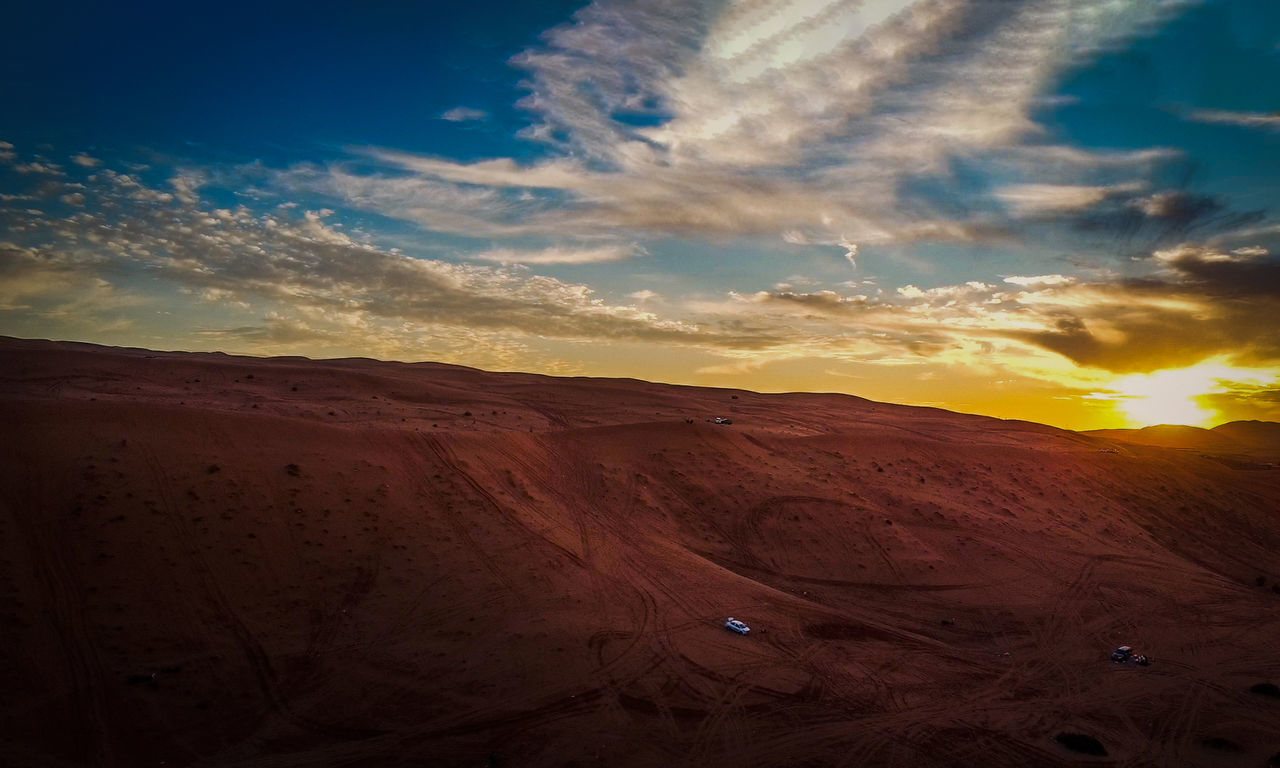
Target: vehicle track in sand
[
  {"x": 450, "y": 461},
  {"x": 224, "y": 613},
  {"x": 63, "y": 597},
  {"x": 454, "y": 520}
]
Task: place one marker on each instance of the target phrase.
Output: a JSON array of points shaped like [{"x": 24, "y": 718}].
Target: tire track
[
  {"x": 64, "y": 599},
  {"x": 450, "y": 461},
  {"x": 455, "y": 521},
  {"x": 259, "y": 661}
]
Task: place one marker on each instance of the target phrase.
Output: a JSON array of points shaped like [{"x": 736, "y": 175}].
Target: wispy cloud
[
  {"x": 289, "y": 276},
  {"x": 1267, "y": 121},
  {"x": 306, "y": 265},
  {"x": 825, "y": 122},
  {"x": 464, "y": 115},
  {"x": 560, "y": 255}
]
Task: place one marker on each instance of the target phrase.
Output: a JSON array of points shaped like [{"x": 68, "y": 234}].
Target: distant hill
[
  {"x": 1255, "y": 438},
  {"x": 1261, "y": 435}
]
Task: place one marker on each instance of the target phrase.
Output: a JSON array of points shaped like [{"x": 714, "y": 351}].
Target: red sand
[{"x": 213, "y": 560}]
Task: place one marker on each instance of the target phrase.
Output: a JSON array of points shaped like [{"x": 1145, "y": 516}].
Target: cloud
[
  {"x": 1243, "y": 272},
  {"x": 1267, "y": 121},
  {"x": 1041, "y": 198},
  {"x": 307, "y": 264},
  {"x": 824, "y": 123},
  {"x": 85, "y": 160},
  {"x": 464, "y": 115},
  {"x": 285, "y": 277},
  {"x": 7, "y": 154},
  {"x": 1040, "y": 281},
  {"x": 1154, "y": 220},
  {"x": 560, "y": 255},
  {"x": 1202, "y": 303},
  {"x": 38, "y": 167}
]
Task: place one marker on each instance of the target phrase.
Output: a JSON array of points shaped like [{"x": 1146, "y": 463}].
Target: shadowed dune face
[{"x": 211, "y": 560}]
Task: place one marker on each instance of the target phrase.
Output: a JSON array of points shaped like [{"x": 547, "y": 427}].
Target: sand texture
[{"x": 221, "y": 561}]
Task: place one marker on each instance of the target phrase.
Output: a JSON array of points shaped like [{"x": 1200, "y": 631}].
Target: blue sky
[{"x": 1033, "y": 208}]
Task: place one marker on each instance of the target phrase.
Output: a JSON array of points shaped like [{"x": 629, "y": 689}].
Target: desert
[{"x": 235, "y": 561}]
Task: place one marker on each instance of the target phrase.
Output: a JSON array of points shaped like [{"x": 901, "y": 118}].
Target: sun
[
  {"x": 1173, "y": 396},
  {"x": 1164, "y": 397}
]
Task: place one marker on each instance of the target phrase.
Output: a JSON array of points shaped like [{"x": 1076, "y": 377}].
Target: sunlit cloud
[
  {"x": 560, "y": 255},
  {"x": 864, "y": 190},
  {"x": 805, "y": 121}
]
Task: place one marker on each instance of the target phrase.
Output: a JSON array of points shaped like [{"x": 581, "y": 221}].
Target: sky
[{"x": 1065, "y": 211}]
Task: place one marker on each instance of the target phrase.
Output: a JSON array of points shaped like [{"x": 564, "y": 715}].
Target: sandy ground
[{"x": 212, "y": 560}]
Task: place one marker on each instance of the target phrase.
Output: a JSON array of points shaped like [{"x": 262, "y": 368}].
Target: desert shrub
[
  {"x": 1079, "y": 742},
  {"x": 1265, "y": 689}
]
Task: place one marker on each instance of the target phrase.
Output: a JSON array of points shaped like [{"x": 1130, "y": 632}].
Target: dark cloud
[
  {"x": 1143, "y": 223},
  {"x": 1206, "y": 303},
  {"x": 1243, "y": 273}
]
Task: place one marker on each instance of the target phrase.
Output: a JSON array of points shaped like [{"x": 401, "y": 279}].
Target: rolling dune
[{"x": 223, "y": 561}]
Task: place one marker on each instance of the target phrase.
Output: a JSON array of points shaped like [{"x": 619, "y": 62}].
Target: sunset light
[
  {"x": 1176, "y": 396},
  {"x": 931, "y": 202},
  {"x": 640, "y": 383}
]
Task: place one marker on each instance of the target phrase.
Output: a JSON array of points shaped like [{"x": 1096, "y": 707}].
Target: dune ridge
[{"x": 232, "y": 561}]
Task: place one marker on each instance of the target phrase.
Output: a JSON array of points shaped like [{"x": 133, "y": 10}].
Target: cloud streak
[
  {"x": 830, "y": 124},
  {"x": 1265, "y": 121}
]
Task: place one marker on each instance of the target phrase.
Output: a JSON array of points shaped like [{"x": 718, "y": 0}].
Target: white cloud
[
  {"x": 1040, "y": 281},
  {"x": 86, "y": 160},
  {"x": 1042, "y": 198},
  {"x": 38, "y": 167},
  {"x": 307, "y": 264},
  {"x": 560, "y": 255},
  {"x": 1251, "y": 251},
  {"x": 1268, "y": 121},
  {"x": 464, "y": 115},
  {"x": 801, "y": 120}
]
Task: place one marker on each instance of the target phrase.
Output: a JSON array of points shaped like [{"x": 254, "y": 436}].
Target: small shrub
[
  {"x": 1079, "y": 742},
  {"x": 1265, "y": 689},
  {"x": 1220, "y": 744}
]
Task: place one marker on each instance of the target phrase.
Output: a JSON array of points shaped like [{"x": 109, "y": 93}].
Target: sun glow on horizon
[{"x": 1174, "y": 396}]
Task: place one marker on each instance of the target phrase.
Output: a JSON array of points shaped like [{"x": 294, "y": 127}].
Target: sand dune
[{"x": 216, "y": 560}]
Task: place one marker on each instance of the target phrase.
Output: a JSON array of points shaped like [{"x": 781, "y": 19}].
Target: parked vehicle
[{"x": 733, "y": 625}]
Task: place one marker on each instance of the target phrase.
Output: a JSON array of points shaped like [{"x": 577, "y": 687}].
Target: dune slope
[{"x": 212, "y": 560}]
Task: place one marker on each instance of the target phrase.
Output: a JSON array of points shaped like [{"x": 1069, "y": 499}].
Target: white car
[{"x": 733, "y": 625}]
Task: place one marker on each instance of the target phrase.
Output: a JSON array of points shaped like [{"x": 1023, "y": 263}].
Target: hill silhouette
[
  {"x": 1257, "y": 439},
  {"x": 219, "y": 560}
]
